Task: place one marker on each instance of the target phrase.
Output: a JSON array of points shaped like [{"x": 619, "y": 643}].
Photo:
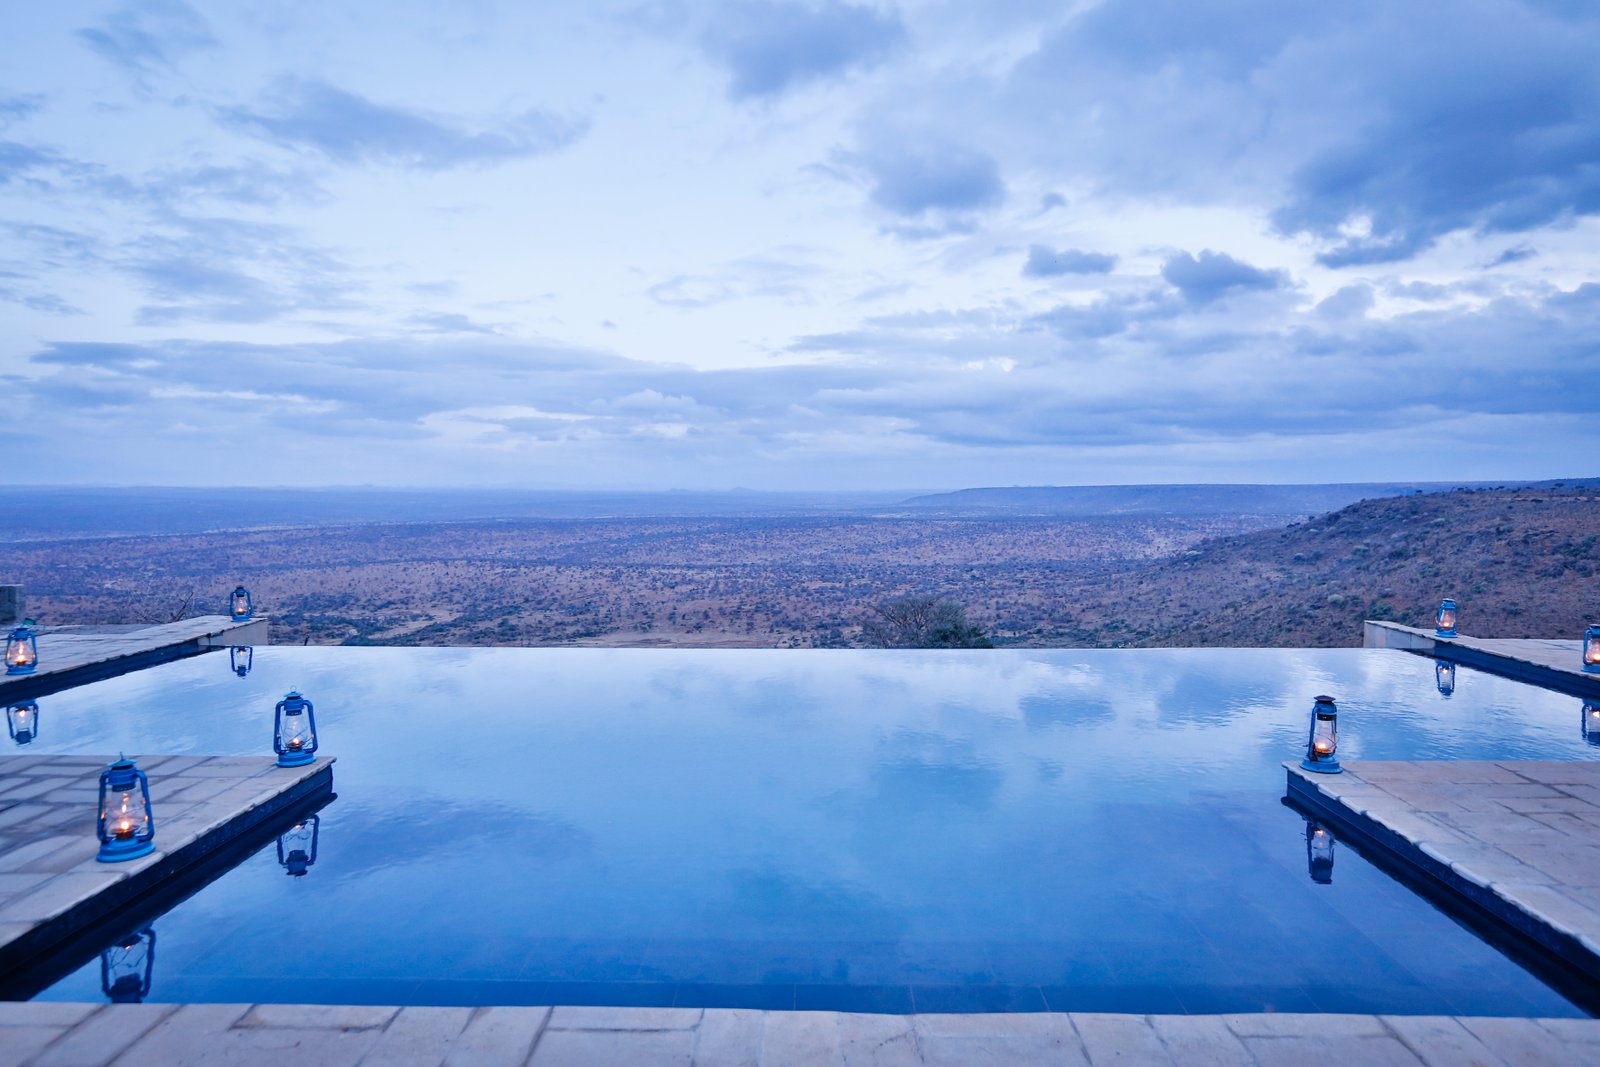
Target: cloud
[
  {"x": 1516, "y": 254},
  {"x": 931, "y": 186},
  {"x": 448, "y": 322},
  {"x": 772, "y": 46},
  {"x": 350, "y": 129},
  {"x": 148, "y": 36},
  {"x": 16, "y": 108},
  {"x": 1215, "y": 275},
  {"x": 1045, "y": 262}
]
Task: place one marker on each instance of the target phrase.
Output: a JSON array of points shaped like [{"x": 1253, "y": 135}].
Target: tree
[{"x": 923, "y": 622}]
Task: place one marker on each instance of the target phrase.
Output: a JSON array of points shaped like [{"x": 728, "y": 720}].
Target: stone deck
[
  {"x": 1543, "y": 661},
  {"x": 51, "y": 885},
  {"x": 1519, "y": 838},
  {"x": 271, "y": 1035},
  {"x": 76, "y": 656}
]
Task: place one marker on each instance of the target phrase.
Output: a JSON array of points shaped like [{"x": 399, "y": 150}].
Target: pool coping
[
  {"x": 1513, "y": 839},
  {"x": 76, "y": 657},
  {"x": 1552, "y": 662},
  {"x": 55, "y": 887},
  {"x": 40, "y": 1034}
]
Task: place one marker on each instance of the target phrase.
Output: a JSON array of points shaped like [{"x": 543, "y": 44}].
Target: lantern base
[
  {"x": 296, "y": 759},
  {"x": 1591, "y": 668},
  {"x": 1327, "y": 766},
  {"x": 25, "y": 668},
  {"x": 242, "y": 618},
  {"x": 117, "y": 851},
  {"x": 1445, "y": 633}
]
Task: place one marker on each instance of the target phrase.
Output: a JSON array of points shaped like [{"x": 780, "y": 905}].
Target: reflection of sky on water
[{"x": 1066, "y": 820}]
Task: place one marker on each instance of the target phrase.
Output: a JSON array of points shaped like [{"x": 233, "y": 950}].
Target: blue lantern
[
  {"x": 1319, "y": 852},
  {"x": 297, "y": 846},
  {"x": 22, "y": 649},
  {"x": 241, "y": 658},
  {"x": 1444, "y": 676},
  {"x": 22, "y": 722},
  {"x": 1589, "y": 725},
  {"x": 1444, "y": 623},
  {"x": 1322, "y": 746},
  {"x": 1591, "y": 649},
  {"x": 294, "y": 731},
  {"x": 126, "y": 967},
  {"x": 126, "y": 828},
  {"x": 240, "y": 607}
]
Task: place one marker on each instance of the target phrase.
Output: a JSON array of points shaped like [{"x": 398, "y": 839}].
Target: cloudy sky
[{"x": 799, "y": 243}]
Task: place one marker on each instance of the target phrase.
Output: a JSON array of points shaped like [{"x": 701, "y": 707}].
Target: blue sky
[{"x": 799, "y": 245}]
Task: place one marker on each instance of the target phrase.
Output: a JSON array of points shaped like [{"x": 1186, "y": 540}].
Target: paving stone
[
  {"x": 801, "y": 1037},
  {"x": 1200, "y": 1041},
  {"x": 319, "y": 1016},
  {"x": 1294, "y": 1025},
  {"x": 1124, "y": 1040},
  {"x": 44, "y": 1012},
  {"x": 192, "y": 1034},
  {"x": 56, "y": 894},
  {"x": 1570, "y": 864},
  {"x": 1331, "y": 1050},
  {"x": 999, "y": 1039},
  {"x": 728, "y": 1037},
  {"x": 1573, "y": 1031},
  {"x": 586, "y": 1018},
  {"x": 1440, "y": 1041},
  {"x": 99, "y": 1040},
  {"x": 877, "y": 1041},
  {"x": 1520, "y": 1042},
  {"x": 18, "y": 1044},
  {"x": 1553, "y": 907},
  {"x": 498, "y": 1037},
  {"x": 23, "y": 857},
  {"x": 418, "y": 1037},
  {"x": 603, "y": 1048}
]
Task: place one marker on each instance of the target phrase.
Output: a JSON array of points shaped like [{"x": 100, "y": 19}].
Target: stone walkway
[
  {"x": 274, "y": 1035},
  {"x": 1548, "y": 661},
  {"x": 83, "y": 655},
  {"x": 49, "y": 877},
  {"x": 1520, "y": 838}
]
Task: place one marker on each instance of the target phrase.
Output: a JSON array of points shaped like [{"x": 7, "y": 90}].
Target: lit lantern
[
  {"x": 1319, "y": 852},
  {"x": 22, "y": 722},
  {"x": 1591, "y": 649},
  {"x": 1590, "y": 725},
  {"x": 297, "y": 847},
  {"x": 240, "y": 607},
  {"x": 126, "y": 828},
  {"x": 1322, "y": 746},
  {"x": 125, "y": 968},
  {"x": 1444, "y": 676},
  {"x": 22, "y": 649},
  {"x": 241, "y": 658},
  {"x": 294, "y": 734},
  {"x": 1444, "y": 623}
]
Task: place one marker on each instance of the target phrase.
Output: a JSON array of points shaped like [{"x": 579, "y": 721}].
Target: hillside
[
  {"x": 1291, "y": 501},
  {"x": 1520, "y": 562}
]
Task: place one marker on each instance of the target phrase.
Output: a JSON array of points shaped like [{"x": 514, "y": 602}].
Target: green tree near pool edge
[{"x": 923, "y": 622}]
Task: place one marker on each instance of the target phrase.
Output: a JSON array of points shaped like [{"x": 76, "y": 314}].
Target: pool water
[{"x": 850, "y": 830}]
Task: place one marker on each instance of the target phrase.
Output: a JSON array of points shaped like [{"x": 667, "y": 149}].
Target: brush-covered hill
[{"x": 1520, "y": 563}]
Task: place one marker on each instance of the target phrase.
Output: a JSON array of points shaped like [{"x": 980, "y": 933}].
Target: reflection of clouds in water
[
  {"x": 781, "y": 902},
  {"x": 431, "y": 828}
]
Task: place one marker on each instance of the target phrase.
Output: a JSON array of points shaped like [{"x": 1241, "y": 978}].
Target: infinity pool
[{"x": 852, "y": 830}]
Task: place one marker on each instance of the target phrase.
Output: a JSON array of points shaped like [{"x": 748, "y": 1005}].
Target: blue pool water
[{"x": 890, "y": 831}]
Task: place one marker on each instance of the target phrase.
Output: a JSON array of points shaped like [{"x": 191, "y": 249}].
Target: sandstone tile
[
  {"x": 319, "y": 1016},
  {"x": 418, "y": 1037},
  {"x": 1124, "y": 1040},
  {"x": 56, "y": 895},
  {"x": 1335, "y": 1050},
  {"x": 877, "y": 1041},
  {"x": 44, "y": 1012},
  {"x": 1554, "y": 907},
  {"x": 23, "y": 857},
  {"x": 984, "y": 1024},
  {"x": 995, "y": 1050},
  {"x": 1520, "y": 1042},
  {"x": 18, "y": 1044},
  {"x": 498, "y": 1037},
  {"x": 1200, "y": 1041},
  {"x": 1576, "y": 805},
  {"x": 595, "y": 1048},
  {"x": 77, "y": 855},
  {"x": 1569, "y": 863},
  {"x": 728, "y": 1037},
  {"x": 1440, "y": 1041},
  {"x": 104, "y": 1037},
  {"x": 586, "y": 1018},
  {"x": 801, "y": 1037},
  {"x": 1297, "y": 1025},
  {"x": 14, "y": 885},
  {"x": 192, "y": 1034},
  {"x": 1573, "y": 1031}
]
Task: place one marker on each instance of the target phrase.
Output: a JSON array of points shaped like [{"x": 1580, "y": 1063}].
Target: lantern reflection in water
[
  {"x": 240, "y": 659},
  {"x": 22, "y": 722},
  {"x": 297, "y": 846},
  {"x": 1319, "y": 852},
  {"x": 1444, "y": 676},
  {"x": 127, "y": 966}
]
